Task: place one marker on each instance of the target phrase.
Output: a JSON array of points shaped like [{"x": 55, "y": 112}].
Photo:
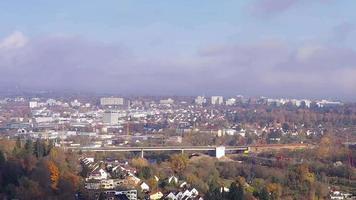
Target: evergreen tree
[
  {"x": 101, "y": 196},
  {"x": 18, "y": 143},
  {"x": 264, "y": 195},
  {"x": 214, "y": 191},
  {"x": 29, "y": 146},
  {"x": 49, "y": 147},
  {"x": 236, "y": 192},
  {"x": 39, "y": 148},
  {"x": 2, "y": 158}
]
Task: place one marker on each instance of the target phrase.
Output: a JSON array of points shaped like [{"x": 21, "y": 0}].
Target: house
[
  {"x": 98, "y": 174},
  {"x": 184, "y": 195},
  {"x": 173, "y": 180},
  {"x": 131, "y": 178},
  {"x": 122, "y": 195},
  {"x": 183, "y": 184},
  {"x": 156, "y": 195},
  {"x": 144, "y": 187},
  {"x": 340, "y": 195}
]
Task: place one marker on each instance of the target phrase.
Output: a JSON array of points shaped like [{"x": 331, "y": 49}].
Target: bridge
[{"x": 219, "y": 151}]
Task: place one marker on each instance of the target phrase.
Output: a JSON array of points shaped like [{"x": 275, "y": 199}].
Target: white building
[
  {"x": 220, "y": 152},
  {"x": 33, "y": 104},
  {"x": 217, "y": 100},
  {"x": 166, "y": 101},
  {"x": 75, "y": 103},
  {"x": 98, "y": 175},
  {"x": 110, "y": 117},
  {"x": 230, "y": 102},
  {"x": 144, "y": 187},
  {"x": 200, "y": 100},
  {"x": 112, "y": 101}
]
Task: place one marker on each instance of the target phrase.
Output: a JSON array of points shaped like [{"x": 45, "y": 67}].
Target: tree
[
  {"x": 101, "y": 196},
  {"x": 152, "y": 183},
  {"x": 214, "y": 192},
  {"x": 275, "y": 190},
  {"x": 178, "y": 163},
  {"x": 236, "y": 192},
  {"x": 29, "y": 146},
  {"x": 324, "y": 149},
  {"x": 2, "y": 158},
  {"x": 264, "y": 195},
  {"x": 29, "y": 189},
  {"x": 145, "y": 172},
  {"x": 39, "y": 149},
  {"x": 18, "y": 143},
  {"x": 139, "y": 162},
  {"x": 54, "y": 175},
  {"x": 49, "y": 147}
]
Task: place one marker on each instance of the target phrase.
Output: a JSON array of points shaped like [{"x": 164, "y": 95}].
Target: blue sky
[{"x": 227, "y": 42}]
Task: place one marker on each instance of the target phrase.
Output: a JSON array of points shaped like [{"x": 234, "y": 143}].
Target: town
[{"x": 140, "y": 147}]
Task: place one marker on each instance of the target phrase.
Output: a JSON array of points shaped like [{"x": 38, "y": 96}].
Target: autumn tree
[
  {"x": 324, "y": 149},
  {"x": 275, "y": 190},
  {"x": 54, "y": 175},
  {"x": 139, "y": 163},
  {"x": 178, "y": 163}
]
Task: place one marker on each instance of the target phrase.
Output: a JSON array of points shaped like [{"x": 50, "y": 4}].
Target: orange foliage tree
[{"x": 54, "y": 175}]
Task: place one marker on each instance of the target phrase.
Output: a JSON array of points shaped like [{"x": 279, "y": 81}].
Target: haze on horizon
[{"x": 294, "y": 48}]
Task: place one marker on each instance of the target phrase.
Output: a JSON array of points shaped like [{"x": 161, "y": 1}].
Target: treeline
[
  {"x": 338, "y": 116},
  {"x": 304, "y": 174},
  {"x": 37, "y": 170}
]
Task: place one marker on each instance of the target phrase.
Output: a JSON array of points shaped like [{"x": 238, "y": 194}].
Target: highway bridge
[{"x": 218, "y": 151}]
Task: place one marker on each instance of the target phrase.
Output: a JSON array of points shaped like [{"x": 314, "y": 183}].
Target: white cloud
[
  {"x": 306, "y": 52},
  {"x": 16, "y": 40}
]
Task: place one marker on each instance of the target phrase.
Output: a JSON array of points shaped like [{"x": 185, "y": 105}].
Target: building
[
  {"x": 111, "y": 118},
  {"x": 75, "y": 103},
  {"x": 156, "y": 195},
  {"x": 168, "y": 101},
  {"x": 220, "y": 152},
  {"x": 200, "y": 100},
  {"x": 111, "y": 101},
  {"x": 230, "y": 102},
  {"x": 217, "y": 100},
  {"x": 122, "y": 194},
  {"x": 33, "y": 104}
]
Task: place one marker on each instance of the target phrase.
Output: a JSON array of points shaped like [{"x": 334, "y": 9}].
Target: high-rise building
[
  {"x": 33, "y": 104},
  {"x": 111, "y": 117},
  {"x": 200, "y": 100},
  {"x": 112, "y": 101},
  {"x": 217, "y": 100},
  {"x": 230, "y": 102},
  {"x": 166, "y": 101}
]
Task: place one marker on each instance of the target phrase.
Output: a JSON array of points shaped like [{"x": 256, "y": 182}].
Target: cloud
[
  {"x": 270, "y": 67},
  {"x": 277, "y": 69},
  {"x": 265, "y": 8},
  {"x": 342, "y": 32},
  {"x": 15, "y": 40}
]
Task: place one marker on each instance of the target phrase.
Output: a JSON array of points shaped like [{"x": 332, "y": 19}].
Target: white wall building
[
  {"x": 33, "y": 104},
  {"x": 111, "y": 101},
  {"x": 111, "y": 118},
  {"x": 220, "y": 152},
  {"x": 217, "y": 100},
  {"x": 230, "y": 102},
  {"x": 166, "y": 101},
  {"x": 200, "y": 100}
]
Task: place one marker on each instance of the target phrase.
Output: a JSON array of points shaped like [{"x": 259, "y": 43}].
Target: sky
[{"x": 275, "y": 48}]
